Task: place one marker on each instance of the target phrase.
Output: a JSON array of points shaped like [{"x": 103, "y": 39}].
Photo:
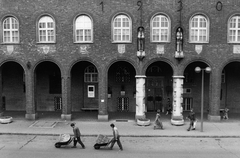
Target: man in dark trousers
[
  {"x": 77, "y": 135},
  {"x": 192, "y": 119},
  {"x": 116, "y": 137}
]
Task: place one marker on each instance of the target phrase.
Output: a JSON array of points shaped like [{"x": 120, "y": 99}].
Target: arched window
[
  {"x": 160, "y": 29},
  {"x": 46, "y": 30},
  {"x": 199, "y": 29},
  {"x": 10, "y": 30},
  {"x": 234, "y": 29},
  {"x": 121, "y": 27},
  {"x": 91, "y": 74},
  {"x": 83, "y": 29}
]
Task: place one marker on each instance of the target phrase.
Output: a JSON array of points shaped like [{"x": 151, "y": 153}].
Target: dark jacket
[
  {"x": 76, "y": 132},
  {"x": 191, "y": 116}
]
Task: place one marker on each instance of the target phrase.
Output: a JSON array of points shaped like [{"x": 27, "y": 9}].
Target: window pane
[
  {"x": 10, "y": 30},
  {"x": 160, "y": 28},
  {"x": 121, "y": 28}
]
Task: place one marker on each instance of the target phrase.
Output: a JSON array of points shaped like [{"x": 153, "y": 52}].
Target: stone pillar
[
  {"x": 66, "y": 98},
  {"x": 215, "y": 92},
  {"x": 30, "y": 96},
  {"x": 102, "y": 98},
  {"x": 140, "y": 96},
  {"x": 1, "y": 101},
  {"x": 177, "y": 117}
]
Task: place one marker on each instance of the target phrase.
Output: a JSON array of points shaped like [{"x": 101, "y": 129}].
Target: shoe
[
  {"x": 121, "y": 150},
  {"x": 188, "y": 130},
  {"x": 73, "y": 146},
  {"x": 193, "y": 129},
  {"x": 83, "y": 147}
]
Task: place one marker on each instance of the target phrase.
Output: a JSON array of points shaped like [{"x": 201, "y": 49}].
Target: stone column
[
  {"x": 140, "y": 96},
  {"x": 215, "y": 92},
  {"x": 102, "y": 98},
  {"x": 66, "y": 98},
  {"x": 177, "y": 117},
  {"x": 30, "y": 95}
]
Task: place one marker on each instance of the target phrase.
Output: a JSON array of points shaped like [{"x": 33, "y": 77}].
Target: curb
[{"x": 146, "y": 136}]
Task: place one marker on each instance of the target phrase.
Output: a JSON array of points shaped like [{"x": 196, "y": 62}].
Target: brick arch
[
  {"x": 186, "y": 64},
  {"x": 49, "y": 60},
  {"x": 22, "y": 64},
  {"x": 111, "y": 62},
  {"x": 90, "y": 60},
  {"x": 226, "y": 62},
  {"x": 172, "y": 65}
]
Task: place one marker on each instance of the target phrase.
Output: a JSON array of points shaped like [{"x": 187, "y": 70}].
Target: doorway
[{"x": 155, "y": 93}]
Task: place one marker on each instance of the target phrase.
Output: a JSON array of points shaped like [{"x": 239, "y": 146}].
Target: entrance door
[{"x": 154, "y": 93}]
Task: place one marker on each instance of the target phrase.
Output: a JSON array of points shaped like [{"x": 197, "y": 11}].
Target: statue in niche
[
  {"x": 141, "y": 39},
  {"x": 179, "y": 39}
]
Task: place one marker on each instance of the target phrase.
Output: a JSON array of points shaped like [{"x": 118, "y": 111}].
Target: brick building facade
[{"x": 48, "y": 64}]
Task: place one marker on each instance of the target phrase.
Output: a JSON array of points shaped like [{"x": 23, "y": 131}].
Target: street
[{"x": 32, "y": 146}]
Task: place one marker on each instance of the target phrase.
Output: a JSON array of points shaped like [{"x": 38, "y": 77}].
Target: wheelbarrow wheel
[
  {"x": 57, "y": 145},
  {"x": 96, "y": 146}
]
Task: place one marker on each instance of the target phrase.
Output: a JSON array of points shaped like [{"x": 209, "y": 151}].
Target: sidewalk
[{"x": 129, "y": 128}]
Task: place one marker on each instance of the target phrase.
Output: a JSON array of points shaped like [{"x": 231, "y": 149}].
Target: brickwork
[{"x": 103, "y": 53}]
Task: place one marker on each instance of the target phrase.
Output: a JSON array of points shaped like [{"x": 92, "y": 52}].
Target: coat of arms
[
  {"x": 121, "y": 48},
  {"x": 198, "y": 48}
]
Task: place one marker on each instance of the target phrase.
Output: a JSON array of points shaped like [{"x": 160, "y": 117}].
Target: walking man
[
  {"x": 77, "y": 135},
  {"x": 116, "y": 137},
  {"x": 192, "y": 119}
]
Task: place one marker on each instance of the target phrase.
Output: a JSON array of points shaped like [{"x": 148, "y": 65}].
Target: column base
[
  {"x": 177, "y": 120},
  {"x": 140, "y": 117},
  {"x": 103, "y": 118},
  {"x": 67, "y": 117},
  {"x": 214, "y": 118},
  {"x": 31, "y": 116}
]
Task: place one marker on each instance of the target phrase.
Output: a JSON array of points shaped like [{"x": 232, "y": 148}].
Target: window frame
[
  {"x": 11, "y": 30},
  {"x": 236, "y": 29},
  {"x": 199, "y": 28},
  {"x": 53, "y": 28},
  {"x": 88, "y": 74},
  {"x": 161, "y": 28},
  {"x": 121, "y": 28},
  {"x": 75, "y": 30}
]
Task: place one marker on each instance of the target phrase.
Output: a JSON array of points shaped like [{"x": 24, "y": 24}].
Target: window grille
[
  {"x": 91, "y": 74},
  {"x": 234, "y": 29},
  {"x": 10, "y": 30},
  {"x": 83, "y": 29},
  {"x": 58, "y": 103},
  {"x": 199, "y": 29},
  {"x": 160, "y": 31},
  {"x": 121, "y": 29},
  {"x": 123, "y": 104},
  {"x": 46, "y": 29},
  {"x": 187, "y": 104}
]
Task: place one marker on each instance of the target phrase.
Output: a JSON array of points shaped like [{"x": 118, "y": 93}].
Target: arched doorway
[
  {"x": 158, "y": 86},
  {"x": 230, "y": 83},
  {"x": 84, "y": 87},
  {"x": 192, "y": 88},
  {"x": 48, "y": 94},
  {"x": 121, "y": 87},
  {"x": 13, "y": 87}
]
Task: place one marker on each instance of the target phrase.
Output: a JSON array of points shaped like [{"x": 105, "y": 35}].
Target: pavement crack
[
  {"x": 27, "y": 142},
  {"x": 219, "y": 144}
]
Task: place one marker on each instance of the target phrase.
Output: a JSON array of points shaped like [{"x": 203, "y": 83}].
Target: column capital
[
  {"x": 178, "y": 76},
  {"x": 140, "y": 76}
]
